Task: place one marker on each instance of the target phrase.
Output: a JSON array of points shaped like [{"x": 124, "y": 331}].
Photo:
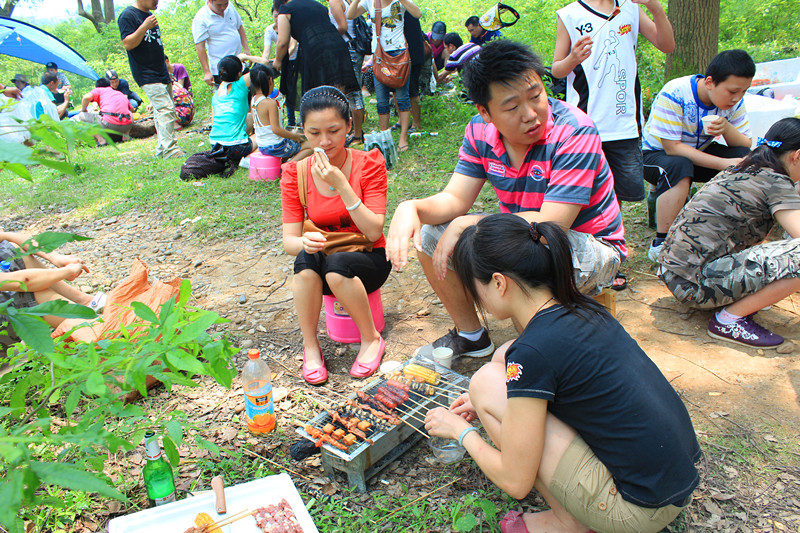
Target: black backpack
[{"x": 362, "y": 40}]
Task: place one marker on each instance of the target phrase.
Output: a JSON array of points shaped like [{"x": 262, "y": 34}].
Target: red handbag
[{"x": 391, "y": 71}]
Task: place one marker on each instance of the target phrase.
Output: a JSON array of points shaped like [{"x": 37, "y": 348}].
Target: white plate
[{"x": 178, "y": 516}]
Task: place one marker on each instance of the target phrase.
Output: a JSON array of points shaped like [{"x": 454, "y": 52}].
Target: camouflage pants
[
  {"x": 732, "y": 277},
  {"x": 594, "y": 261}
]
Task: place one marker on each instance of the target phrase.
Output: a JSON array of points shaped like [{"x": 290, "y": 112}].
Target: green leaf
[
  {"x": 11, "y": 493},
  {"x": 11, "y": 453},
  {"x": 197, "y": 326},
  {"x": 144, "y": 312},
  {"x": 466, "y": 522},
  {"x": 73, "y": 477},
  {"x": 72, "y": 401},
  {"x": 17, "y": 168},
  {"x": 48, "y": 241},
  {"x": 186, "y": 291},
  {"x": 184, "y": 361},
  {"x": 15, "y": 153},
  {"x": 62, "y": 166},
  {"x": 96, "y": 385},
  {"x": 207, "y": 445},
  {"x": 489, "y": 509},
  {"x": 20, "y": 393},
  {"x": 171, "y": 451},
  {"x": 5, "y": 410},
  {"x": 60, "y": 308},
  {"x": 34, "y": 331},
  {"x": 175, "y": 430}
]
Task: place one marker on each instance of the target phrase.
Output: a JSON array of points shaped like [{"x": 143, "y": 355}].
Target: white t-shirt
[
  {"x": 392, "y": 18},
  {"x": 221, "y": 34},
  {"x": 605, "y": 85},
  {"x": 349, "y": 31}
]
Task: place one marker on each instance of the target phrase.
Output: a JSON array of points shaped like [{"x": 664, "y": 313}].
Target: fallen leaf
[
  {"x": 279, "y": 393},
  {"x": 715, "y": 393},
  {"x": 285, "y": 406},
  {"x": 720, "y": 497},
  {"x": 135, "y": 458},
  {"x": 114, "y": 506},
  {"x": 770, "y": 438},
  {"x": 718, "y": 414},
  {"x": 329, "y": 489},
  {"x": 227, "y": 434}
]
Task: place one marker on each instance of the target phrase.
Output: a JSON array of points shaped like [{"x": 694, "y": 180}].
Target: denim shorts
[
  {"x": 594, "y": 261},
  {"x": 625, "y": 161},
  {"x": 285, "y": 148}
]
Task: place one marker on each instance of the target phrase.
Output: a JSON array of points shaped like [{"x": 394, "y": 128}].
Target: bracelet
[
  {"x": 464, "y": 434},
  {"x": 354, "y": 206}
]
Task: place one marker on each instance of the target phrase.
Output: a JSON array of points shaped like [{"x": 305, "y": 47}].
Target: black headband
[{"x": 535, "y": 235}]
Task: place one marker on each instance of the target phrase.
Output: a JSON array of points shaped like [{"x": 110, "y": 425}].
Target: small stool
[
  {"x": 264, "y": 167},
  {"x": 608, "y": 299},
  {"x": 342, "y": 328}
]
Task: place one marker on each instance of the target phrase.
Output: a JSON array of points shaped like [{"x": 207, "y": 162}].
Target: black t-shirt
[
  {"x": 414, "y": 39},
  {"x": 306, "y": 13},
  {"x": 598, "y": 380},
  {"x": 147, "y": 59}
]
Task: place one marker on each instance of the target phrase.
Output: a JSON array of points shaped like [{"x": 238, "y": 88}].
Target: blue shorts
[{"x": 285, "y": 148}]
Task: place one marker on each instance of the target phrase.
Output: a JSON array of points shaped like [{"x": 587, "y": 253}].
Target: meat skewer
[
  {"x": 373, "y": 402},
  {"x": 351, "y": 427},
  {"x": 321, "y": 437}
]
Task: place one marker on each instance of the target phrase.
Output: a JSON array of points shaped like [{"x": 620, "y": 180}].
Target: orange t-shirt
[{"x": 367, "y": 178}]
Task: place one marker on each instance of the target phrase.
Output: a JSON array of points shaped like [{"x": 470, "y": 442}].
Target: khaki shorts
[
  {"x": 585, "y": 487},
  {"x": 594, "y": 261}
]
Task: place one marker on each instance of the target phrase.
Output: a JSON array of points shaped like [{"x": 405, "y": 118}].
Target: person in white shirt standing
[{"x": 218, "y": 31}]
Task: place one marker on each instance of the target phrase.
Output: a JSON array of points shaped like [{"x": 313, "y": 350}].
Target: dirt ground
[{"x": 745, "y": 395}]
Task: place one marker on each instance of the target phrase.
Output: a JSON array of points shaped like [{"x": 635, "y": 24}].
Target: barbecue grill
[{"x": 362, "y": 461}]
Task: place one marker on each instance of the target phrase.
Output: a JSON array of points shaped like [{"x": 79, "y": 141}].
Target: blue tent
[{"x": 24, "y": 41}]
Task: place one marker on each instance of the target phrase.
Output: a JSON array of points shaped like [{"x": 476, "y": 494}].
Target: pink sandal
[{"x": 318, "y": 376}]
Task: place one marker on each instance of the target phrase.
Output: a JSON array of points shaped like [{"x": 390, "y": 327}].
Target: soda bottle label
[
  {"x": 165, "y": 499},
  {"x": 259, "y": 407}
]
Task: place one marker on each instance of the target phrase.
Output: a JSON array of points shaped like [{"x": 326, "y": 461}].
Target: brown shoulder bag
[{"x": 392, "y": 71}]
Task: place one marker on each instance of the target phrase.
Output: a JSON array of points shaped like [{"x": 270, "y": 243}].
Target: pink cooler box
[
  {"x": 341, "y": 327},
  {"x": 264, "y": 167}
]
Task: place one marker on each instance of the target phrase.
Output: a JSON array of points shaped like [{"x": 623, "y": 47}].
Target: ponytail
[
  {"x": 781, "y": 137},
  {"x": 533, "y": 255}
]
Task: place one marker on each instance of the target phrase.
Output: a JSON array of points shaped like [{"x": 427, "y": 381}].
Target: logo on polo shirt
[
  {"x": 496, "y": 168},
  {"x": 626, "y": 28},
  {"x": 537, "y": 173}
]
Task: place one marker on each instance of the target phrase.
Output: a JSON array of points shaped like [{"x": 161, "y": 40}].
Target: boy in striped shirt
[
  {"x": 545, "y": 161},
  {"x": 677, "y": 145}
]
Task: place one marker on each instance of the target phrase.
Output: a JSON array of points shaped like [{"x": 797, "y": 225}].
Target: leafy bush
[{"x": 63, "y": 404}]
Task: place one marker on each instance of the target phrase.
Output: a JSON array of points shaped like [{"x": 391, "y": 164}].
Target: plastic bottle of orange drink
[{"x": 257, "y": 387}]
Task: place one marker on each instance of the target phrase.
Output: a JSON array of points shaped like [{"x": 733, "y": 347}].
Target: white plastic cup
[
  {"x": 707, "y": 120},
  {"x": 443, "y": 356}
]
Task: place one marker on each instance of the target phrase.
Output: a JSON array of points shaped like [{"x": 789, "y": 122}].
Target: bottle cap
[
  {"x": 252, "y": 353},
  {"x": 5, "y": 266}
]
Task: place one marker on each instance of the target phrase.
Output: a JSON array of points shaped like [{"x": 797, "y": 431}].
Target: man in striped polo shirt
[{"x": 545, "y": 161}]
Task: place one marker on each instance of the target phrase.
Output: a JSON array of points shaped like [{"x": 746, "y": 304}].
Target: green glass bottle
[{"x": 157, "y": 473}]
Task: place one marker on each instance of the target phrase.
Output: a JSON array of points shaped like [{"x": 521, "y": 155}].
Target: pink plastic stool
[
  {"x": 264, "y": 167},
  {"x": 341, "y": 327}
]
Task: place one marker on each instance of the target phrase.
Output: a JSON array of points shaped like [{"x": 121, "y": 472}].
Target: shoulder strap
[
  {"x": 302, "y": 183},
  {"x": 377, "y": 19}
]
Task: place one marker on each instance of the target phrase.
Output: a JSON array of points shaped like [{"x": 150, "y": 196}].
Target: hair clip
[
  {"x": 771, "y": 144},
  {"x": 535, "y": 235}
]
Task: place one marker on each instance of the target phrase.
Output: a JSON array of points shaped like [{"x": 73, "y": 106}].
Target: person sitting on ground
[
  {"x": 20, "y": 81},
  {"x": 436, "y": 40},
  {"x": 458, "y": 54},
  {"x": 713, "y": 254},
  {"x": 544, "y": 159},
  {"x": 573, "y": 406},
  {"x": 63, "y": 81},
  {"x": 121, "y": 85},
  {"x": 181, "y": 93},
  {"x": 270, "y": 136},
  {"x": 178, "y": 74},
  {"x": 340, "y": 190},
  {"x": 115, "y": 111},
  {"x": 29, "y": 283},
  {"x": 679, "y": 142},
  {"x": 478, "y": 35},
  {"x": 61, "y": 100}
]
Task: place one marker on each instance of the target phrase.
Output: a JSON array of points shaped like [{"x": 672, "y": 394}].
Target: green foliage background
[{"x": 767, "y": 29}]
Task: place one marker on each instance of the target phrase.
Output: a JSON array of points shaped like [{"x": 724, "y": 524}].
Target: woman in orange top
[{"x": 346, "y": 191}]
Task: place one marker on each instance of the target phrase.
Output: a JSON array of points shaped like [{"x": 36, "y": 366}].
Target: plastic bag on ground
[{"x": 383, "y": 141}]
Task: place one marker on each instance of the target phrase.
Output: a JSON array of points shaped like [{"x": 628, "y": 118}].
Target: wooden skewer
[
  {"x": 411, "y": 415},
  {"x": 229, "y": 520},
  {"x": 611, "y": 16},
  {"x": 412, "y": 426},
  {"x": 419, "y": 404}
]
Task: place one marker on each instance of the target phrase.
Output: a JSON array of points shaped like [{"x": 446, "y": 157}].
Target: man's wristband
[{"x": 464, "y": 434}]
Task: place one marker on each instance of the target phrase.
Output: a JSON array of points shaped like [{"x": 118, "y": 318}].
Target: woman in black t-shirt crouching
[{"x": 573, "y": 406}]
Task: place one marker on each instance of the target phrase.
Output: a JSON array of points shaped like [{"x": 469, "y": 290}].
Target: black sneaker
[{"x": 460, "y": 345}]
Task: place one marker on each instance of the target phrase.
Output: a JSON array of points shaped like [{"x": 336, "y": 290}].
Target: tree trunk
[
  {"x": 696, "y": 27},
  {"x": 97, "y": 17},
  {"x": 7, "y": 7}
]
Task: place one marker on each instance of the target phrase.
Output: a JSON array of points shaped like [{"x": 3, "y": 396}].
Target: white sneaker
[
  {"x": 652, "y": 253},
  {"x": 245, "y": 162},
  {"x": 98, "y": 303}
]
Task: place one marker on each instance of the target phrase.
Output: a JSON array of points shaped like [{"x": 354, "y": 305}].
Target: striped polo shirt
[
  {"x": 677, "y": 115},
  {"x": 566, "y": 165}
]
